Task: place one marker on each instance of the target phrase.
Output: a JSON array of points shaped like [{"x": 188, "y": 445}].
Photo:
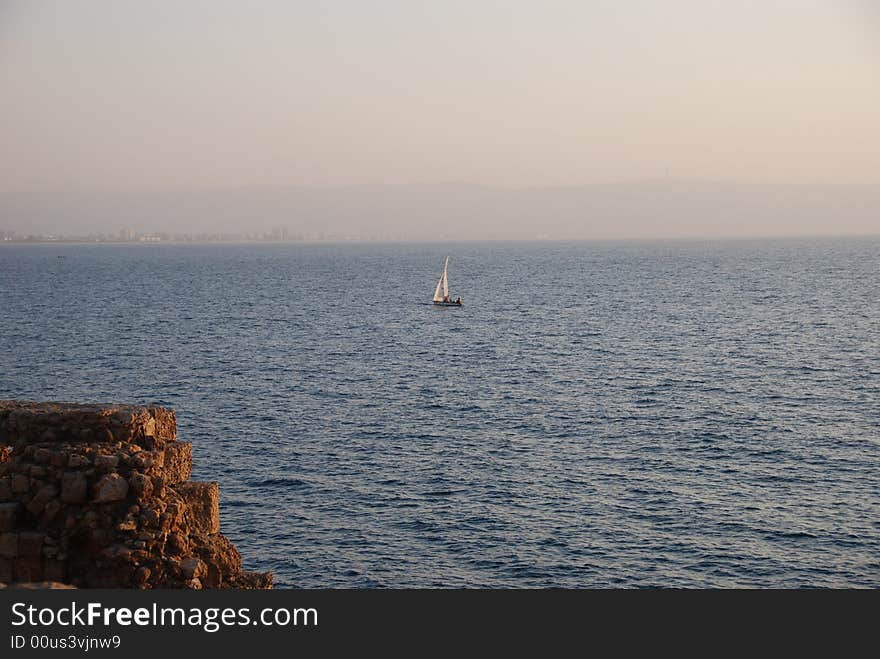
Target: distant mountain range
[{"x": 646, "y": 209}]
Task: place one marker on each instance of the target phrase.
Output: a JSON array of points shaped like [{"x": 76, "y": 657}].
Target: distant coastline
[
  {"x": 154, "y": 239},
  {"x": 444, "y": 212},
  {"x": 354, "y": 240}
]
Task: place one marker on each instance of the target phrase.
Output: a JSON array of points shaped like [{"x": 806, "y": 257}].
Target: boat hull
[{"x": 447, "y": 304}]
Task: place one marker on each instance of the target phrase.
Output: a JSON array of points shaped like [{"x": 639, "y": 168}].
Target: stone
[
  {"x": 106, "y": 463},
  {"x": 142, "y": 514},
  {"x": 142, "y": 575},
  {"x": 218, "y": 551},
  {"x": 20, "y": 484},
  {"x": 52, "y": 509},
  {"x": 178, "y": 462},
  {"x": 159, "y": 487},
  {"x": 9, "y": 544},
  {"x": 53, "y": 570},
  {"x": 8, "y": 516},
  {"x": 74, "y": 487},
  {"x": 107, "y": 578},
  {"x": 202, "y": 505},
  {"x": 44, "y": 496},
  {"x": 5, "y": 570},
  {"x": 213, "y": 578},
  {"x": 150, "y": 518},
  {"x": 28, "y": 568},
  {"x": 193, "y": 568},
  {"x": 30, "y": 543},
  {"x": 174, "y": 512},
  {"x": 90, "y": 519},
  {"x": 42, "y": 455},
  {"x": 78, "y": 460},
  {"x": 66, "y": 422},
  {"x": 110, "y": 488},
  {"x": 177, "y": 544},
  {"x": 150, "y": 461},
  {"x": 252, "y": 580},
  {"x": 140, "y": 485},
  {"x": 117, "y": 552}
]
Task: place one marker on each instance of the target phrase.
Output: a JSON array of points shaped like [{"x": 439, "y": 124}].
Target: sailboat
[{"x": 441, "y": 293}]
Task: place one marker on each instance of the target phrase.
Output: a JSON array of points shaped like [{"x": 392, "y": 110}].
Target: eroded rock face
[{"x": 98, "y": 496}]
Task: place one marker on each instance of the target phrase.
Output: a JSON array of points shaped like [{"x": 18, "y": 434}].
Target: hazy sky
[{"x": 122, "y": 94}]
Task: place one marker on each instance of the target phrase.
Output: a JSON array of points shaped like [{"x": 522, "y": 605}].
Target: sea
[{"x": 674, "y": 414}]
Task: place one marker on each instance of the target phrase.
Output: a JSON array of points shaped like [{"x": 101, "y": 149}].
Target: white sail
[
  {"x": 441, "y": 293},
  {"x": 438, "y": 297}
]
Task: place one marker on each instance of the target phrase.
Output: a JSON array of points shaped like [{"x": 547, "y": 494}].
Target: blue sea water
[{"x": 676, "y": 414}]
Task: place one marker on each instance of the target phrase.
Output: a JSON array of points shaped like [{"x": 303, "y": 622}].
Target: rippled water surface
[{"x": 596, "y": 414}]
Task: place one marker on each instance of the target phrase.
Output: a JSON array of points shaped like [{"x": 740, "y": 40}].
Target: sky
[
  {"x": 127, "y": 94},
  {"x": 122, "y": 95}
]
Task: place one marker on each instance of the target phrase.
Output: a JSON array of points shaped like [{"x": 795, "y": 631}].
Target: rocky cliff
[{"x": 98, "y": 496}]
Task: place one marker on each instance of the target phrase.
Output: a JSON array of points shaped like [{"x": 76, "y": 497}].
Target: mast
[{"x": 445, "y": 280}]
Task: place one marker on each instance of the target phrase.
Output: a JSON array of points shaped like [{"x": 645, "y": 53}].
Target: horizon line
[
  {"x": 82, "y": 240},
  {"x": 440, "y": 184}
]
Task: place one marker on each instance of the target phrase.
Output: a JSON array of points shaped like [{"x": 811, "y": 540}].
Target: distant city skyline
[{"x": 279, "y": 234}]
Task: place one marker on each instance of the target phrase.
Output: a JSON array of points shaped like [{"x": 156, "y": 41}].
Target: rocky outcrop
[{"x": 98, "y": 496}]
